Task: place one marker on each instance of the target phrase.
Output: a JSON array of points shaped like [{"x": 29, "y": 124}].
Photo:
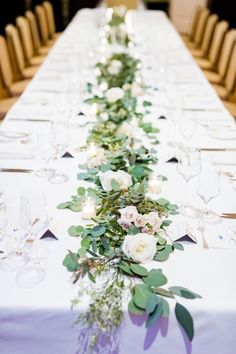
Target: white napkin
[
  {"x": 17, "y": 151},
  {"x": 220, "y": 236}
]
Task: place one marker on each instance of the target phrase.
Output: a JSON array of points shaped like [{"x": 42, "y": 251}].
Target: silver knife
[
  {"x": 16, "y": 170},
  {"x": 30, "y": 120}
]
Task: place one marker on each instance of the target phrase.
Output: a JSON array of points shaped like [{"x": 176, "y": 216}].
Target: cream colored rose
[
  {"x": 115, "y": 67},
  {"x": 154, "y": 221},
  {"x": 122, "y": 178},
  {"x": 125, "y": 129},
  {"x": 136, "y": 90},
  {"x": 140, "y": 247},
  {"x": 128, "y": 214},
  {"x": 140, "y": 221},
  {"x": 114, "y": 94},
  {"x": 97, "y": 159}
]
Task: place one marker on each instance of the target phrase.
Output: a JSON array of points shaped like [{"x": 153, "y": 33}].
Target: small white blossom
[
  {"x": 114, "y": 94},
  {"x": 140, "y": 247}
]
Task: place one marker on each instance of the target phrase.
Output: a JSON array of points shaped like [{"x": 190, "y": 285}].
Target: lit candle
[
  {"x": 94, "y": 110},
  {"x": 88, "y": 208},
  {"x": 155, "y": 184},
  {"x": 92, "y": 150}
]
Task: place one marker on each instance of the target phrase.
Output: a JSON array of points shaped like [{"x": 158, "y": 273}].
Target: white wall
[{"x": 181, "y": 13}]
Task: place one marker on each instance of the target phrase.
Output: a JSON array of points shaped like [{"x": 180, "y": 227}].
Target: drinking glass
[
  {"x": 34, "y": 218},
  {"x": 46, "y": 152},
  {"x": 60, "y": 140},
  {"x": 208, "y": 189},
  {"x": 188, "y": 124},
  {"x": 3, "y": 220},
  {"x": 189, "y": 166}
]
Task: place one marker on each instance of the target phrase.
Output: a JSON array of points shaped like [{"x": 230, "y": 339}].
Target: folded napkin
[
  {"x": 220, "y": 237},
  {"x": 66, "y": 155},
  {"x": 181, "y": 232},
  {"x": 48, "y": 234},
  {"x": 17, "y": 151}
]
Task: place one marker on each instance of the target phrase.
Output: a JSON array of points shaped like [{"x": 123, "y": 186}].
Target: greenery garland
[{"x": 125, "y": 213}]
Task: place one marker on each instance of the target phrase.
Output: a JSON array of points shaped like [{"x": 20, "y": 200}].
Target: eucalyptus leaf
[
  {"x": 184, "y": 292},
  {"x": 81, "y": 191},
  {"x": 185, "y": 320},
  {"x": 139, "y": 270},
  {"x": 153, "y": 317},
  {"x": 142, "y": 294},
  {"x": 98, "y": 230},
  {"x": 63, "y": 205},
  {"x": 71, "y": 262},
  {"x": 134, "y": 309},
  {"x": 155, "y": 278},
  {"x": 151, "y": 305}
]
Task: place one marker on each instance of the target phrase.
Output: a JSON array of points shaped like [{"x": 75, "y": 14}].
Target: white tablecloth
[{"x": 40, "y": 320}]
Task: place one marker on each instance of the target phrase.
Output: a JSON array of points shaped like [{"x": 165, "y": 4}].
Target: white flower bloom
[
  {"x": 114, "y": 94},
  {"x": 140, "y": 247},
  {"x": 136, "y": 90},
  {"x": 97, "y": 159},
  {"x": 125, "y": 129},
  {"x": 125, "y": 225},
  {"x": 154, "y": 221},
  {"x": 122, "y": 178},
  {"x": 140, "y": 221},
  {"x": 128, "y": 214},
  {"x": 115, "y": 67}
]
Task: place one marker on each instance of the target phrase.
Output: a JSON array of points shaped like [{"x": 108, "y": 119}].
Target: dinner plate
[
  {"x": 222, "y": 134},
  {"x": 14, "y": 134}
]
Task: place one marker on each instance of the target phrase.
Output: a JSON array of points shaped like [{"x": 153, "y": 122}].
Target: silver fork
[{"x": 201, "y": 228}]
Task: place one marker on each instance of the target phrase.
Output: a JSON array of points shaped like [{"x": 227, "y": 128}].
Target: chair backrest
[
  {"x": 5, "y": 63},
  {"x": 50, "y": 17},
  {"x": 201, "y": 26},
  {"x": 230, "y": 78},
  {"x": 16, "y": 47},
  {"x": 42, "y": 23},
  {"x": 26, "y": 39},
  {"x": 34, "y": 30},
  {"x": 229, "y": 41},
  {"x": 208, "y": 33},
  {"x": 217, "y": 41},
  {"x": 195, "y": 21}
]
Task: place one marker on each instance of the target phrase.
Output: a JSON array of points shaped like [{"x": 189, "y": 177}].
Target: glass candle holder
[
  {"x": 88, "y": 208},
  {"x": 155, "y": 183}
]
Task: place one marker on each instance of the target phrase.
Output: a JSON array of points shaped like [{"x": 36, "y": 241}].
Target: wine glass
[
  {"x": 188, "y": 124},
  {"x": 189, "y": 166},
  {"x": 3, "y": 220},
  {"x": 34, "y": 217},
  {"x": 60, "y": 140},
  {"x": 46, "y": 152},
  {"x": 208, "y": 189}
]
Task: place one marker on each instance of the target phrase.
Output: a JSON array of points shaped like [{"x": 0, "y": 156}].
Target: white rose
[
  {"x": 128, "y": 214},
  {"x": 122, "y": 178},
  {"x": 154, "y": 221},
  {"x": 140, "y": 221},
  {"x": 115, "y": 67},
  {"x": 140, "y": 247},
  {"x": 114, "y": 94},
  {"x": 97, "y": 159},
  {"x": 125, "y": 129},
  {"x": 136, "y": 90}
]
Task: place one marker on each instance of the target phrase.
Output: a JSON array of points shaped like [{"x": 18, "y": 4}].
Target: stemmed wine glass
[
  {"x": 46, "y": 152},
  {"x": 34, "y": 218},
  {"x": 189, "y": 166},
  {"x": 208, "y": 189},
  {"x": 188, "y": 124},
  {"x": 3, "y": 220},
  {"x": 60, "y": 140}
]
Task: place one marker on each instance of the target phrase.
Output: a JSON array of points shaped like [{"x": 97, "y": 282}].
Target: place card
[
  {"x": 172, "y": 160},
  {"x": 48, "y": 234},
  {"x": 182, "y": 232},
  {"x": 66, "y": 155}
]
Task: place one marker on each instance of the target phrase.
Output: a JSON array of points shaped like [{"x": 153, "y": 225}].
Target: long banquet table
[{"x": 40, "y": 320}]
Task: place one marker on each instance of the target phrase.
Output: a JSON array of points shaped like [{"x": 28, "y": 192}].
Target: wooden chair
[
  {"x": 50, "y": 20},
  {"x": 225, "y": 91},
  {"x": 207, "y": 37},
  {"x": 189, "y": 36},
  {"x": 43, "y": 26},
  {"x": 218, "y": 76},
  {"x": 5, "y": 102},
  {"x": 198, "y": 36},
  {"x": 39, "y": 49},
  {"x": 27, "y": 43},
  {"x": 211, "y": 62},
  {"x": 12, "y": 87},
  {"x": 17, "y": 54}
]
